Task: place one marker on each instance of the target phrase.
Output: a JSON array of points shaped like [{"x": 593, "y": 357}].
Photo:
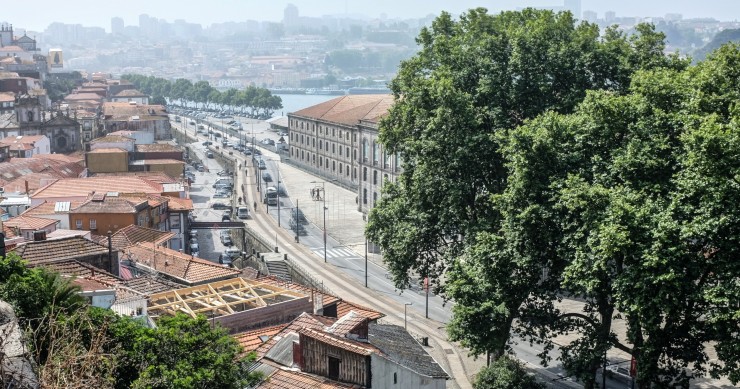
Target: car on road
[
  {"x": 220, "y": 205},
  {"x": 207, "y": 143},
  {"x": 201, "y": 168},
  {"x": 217, "y": 134},
  {"x": 282, "y": 133},
  {"x": 225, "y": 260},
  {"x": 261, "y": 164},
  {"x": 232, "y": 252},
  {"x": 242, "y": 212},
  {"x": 298, "y": 215},
  {"x": 194, "y": 248},
  {"x": 222, "y": 194},
  {"x": 224, "y": 173},
  {"x": 266, "y": 177},
  {"x": 226, "y": 217},
  {"x": 298, "y": 228},
  {"x": 226, "y": 240},
  {"x": 209, "y": 154},
  {"x": 193, "y": 234},
  {"x": 268, "y": 142}
]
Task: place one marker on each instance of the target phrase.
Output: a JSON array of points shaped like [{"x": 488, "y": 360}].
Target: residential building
[
  {"x": 31, "y": 117},
  {"x": 27, "y": 146},
  {"x": 112, "y": 211},
  {"x": 338, "y": 140},
  {"x": 54, "y": 210},
  {"x": 130, "y": 96},
  {"x": 80, "y": 189},
  {"x": 137, "y": 117},
  {"x": 76, "y": 248},
  {"x": 27, "y": 226}
]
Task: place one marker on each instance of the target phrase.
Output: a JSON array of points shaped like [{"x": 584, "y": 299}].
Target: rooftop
[
  {"x": 290, "y": 379},
  {"x": 133, "y": 234},
  {"x": 110, "y": 204},
  {"x": 58, "y": 249},
  {"x": 399, "y": 346},
  {"x": 183, "y": 267},
  {"x": 130, "y": 93},
  {"x": 30, "y": 222},
  {"x": 83, "y": 187},
  {"x": 158, "y": 147},
  {"x": 349, "y": 109}
]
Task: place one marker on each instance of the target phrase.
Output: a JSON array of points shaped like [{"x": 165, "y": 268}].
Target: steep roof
[
  {"x": 290, "y": 379},
  {"x": 349, "y": 109},
  {"x": 304, "y": 320},
  {"x": 339, "y": 342},
  {"x": 133, "y": 234},
  {"x": 29, "y": 222},
  {"x": 344, "y": 307},
  {"x": 250, "y": 340},
  {"x": 151, "y": 285},
  {"x": 22, "y": 167},
  {"x": 399, "y": 346},
  {"x": 71, "y": 267},
  {"x": 130, "y": 93},
  {"x": 181, "y": 266},
  {"x": 111, "y": 204},
  {"x": 58, "y": 249}
]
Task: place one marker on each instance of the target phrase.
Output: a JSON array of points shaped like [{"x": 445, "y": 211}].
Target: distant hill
[{"x": 732, "y": 35}]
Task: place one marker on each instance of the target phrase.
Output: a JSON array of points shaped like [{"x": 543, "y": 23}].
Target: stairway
[{"x": 278, "y": 269}]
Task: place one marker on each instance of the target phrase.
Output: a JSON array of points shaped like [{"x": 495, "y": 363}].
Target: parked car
[
  {"x": 242, "y": 212},
  {"x": 207, "y": 143},
  {"x": 226, "y": 217},
  {"x": 201, "y": 168},
  {"x": 221, "y": 195},
  {"x": 232, "y": 252},
  {"x": 266, "y": 177},
  {"x": 194, "y": 248},
  {"x": 209, "y": 154},
  {"x": 224, "y": 173},
  {"x": 261, "y": 165},
  {"x": 298, "y": 228},
  {"x": 193, "y": 234},
  {"x": 298, "y": 215}
]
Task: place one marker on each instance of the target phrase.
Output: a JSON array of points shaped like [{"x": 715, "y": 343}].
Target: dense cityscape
[{"x": 536, "y": 197}]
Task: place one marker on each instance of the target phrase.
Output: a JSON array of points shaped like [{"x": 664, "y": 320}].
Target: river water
[{"x": 292, "y": 103}]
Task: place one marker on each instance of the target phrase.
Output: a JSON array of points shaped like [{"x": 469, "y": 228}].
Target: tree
[
  {"x": 472, "y": 81},
  {"x": 505, "y": 373}
]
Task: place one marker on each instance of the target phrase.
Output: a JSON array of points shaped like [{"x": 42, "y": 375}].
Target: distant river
[{"x": 292, "y": 103}]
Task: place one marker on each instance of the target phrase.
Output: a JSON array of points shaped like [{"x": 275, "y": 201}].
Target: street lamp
[
  {"x": 323, "y": 196},
  {"x": 405, "y": 305}
]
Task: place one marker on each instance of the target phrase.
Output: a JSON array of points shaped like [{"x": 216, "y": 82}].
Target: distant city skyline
[{"x": 96, "y": 14}]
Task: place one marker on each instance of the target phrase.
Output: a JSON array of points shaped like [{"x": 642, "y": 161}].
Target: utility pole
[{"x": 323, "y": 196}]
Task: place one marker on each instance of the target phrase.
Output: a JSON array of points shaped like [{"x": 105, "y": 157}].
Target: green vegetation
[
  {"x": 723, "y": 37},
  {"x": 256, "y": 102},
  {"x": 77, "y": 346},
  {"x": 505, "y": 373},
  {"x": 58, "y": 86},
  {"x": 542, "y": 161}
]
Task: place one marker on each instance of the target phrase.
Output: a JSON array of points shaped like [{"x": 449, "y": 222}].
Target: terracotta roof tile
[
  {"x": 111, "y": 204},
  {"x": 30, "y": 222},
  {"x": 89, "y": 285},
  {"x": 183, "y": 267},
  {"x": 19, "y": 167},
  {"x": 344, "y": 307},
  {"x": 287, "y": 379},
  {"x": 58, "y": 249},
  {"x": 130, "y": 93},
  {"x": 250, "y": 340},
  {"x": 349, "y": 109},
  {"x": 305, "y": 320},
  {"x": 158, "y": 147},
  {"x": 71, "y": 267},
  {"x": 51, "y": 208},
  {"x": 178, "y": 204},
  {"x": 336, "y": 341},
  {"x": 113, "y": 139},
  {"x": 77, "y": 187},
  {"x": 133, "y": 234},
  {"x": 107, "y": 150},
  {"x": 151, "y": 285},
  {"x": 154, "y": 177}
]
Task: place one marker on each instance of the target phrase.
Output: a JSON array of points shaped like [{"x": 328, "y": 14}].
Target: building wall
[
  {"x": 270, "y": 315},
  {"x": 351, "y": 155},
  {"x": 139, "y": 100},
  {"x": 28, "y": 233},
  {"x": 107, "y": 162},
  {"x": 387, "y": 374},
  {"x": 126, "y": 145},
  {"x": 61, "y": 218},
  {"x": 103, "y": 222},
  {"x": 171, "y": 169},
  {"x": 353, "y": 368}
]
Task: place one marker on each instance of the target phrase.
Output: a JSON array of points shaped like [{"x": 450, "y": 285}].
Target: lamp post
[
  {"x": 405, "y": 305},
  {"x": 323, "y": 196},
  {"x": 278, "y": 193}
]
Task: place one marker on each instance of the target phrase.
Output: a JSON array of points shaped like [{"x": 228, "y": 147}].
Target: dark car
[
  {"x": 225, "y": 260},
  {"x": 297, "y": 227},
  {"x": 297, "y": 214},
  {"x": 266, "y": 177},
  {"x": 226, "y": 217},
  {"x": 207, "y": 143},
  {"x": 220, "y": 206}
]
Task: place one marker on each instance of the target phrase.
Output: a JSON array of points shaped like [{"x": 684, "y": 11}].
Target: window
[
  {"x": 93, "y": 224},
  {"x": 320, "y": 145},
  {"x": 333, "y": 165},
  {"x": 375, "y": 198},
  {"x": 347, "y": 152},
  {"x": 395, "y": 378},
  {"x": 333, "y": 150},
  {"x": 321, "y": 161},
  {"x": 340, "y": 168},
  {"x": 364, "y": 174},
  {"x": 332, "y": 132},
  {"x": 376, "y": 151},
  {"x": 364, "y": 196},
  {"x": 78, "y": 224},
  {"x": 334, "y": 368},
  {"x": 365, "y": 150}
]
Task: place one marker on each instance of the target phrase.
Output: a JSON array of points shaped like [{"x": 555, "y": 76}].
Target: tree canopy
[
  {"x": 542, "y": 161},
  {"x": 259, "y": 102}
]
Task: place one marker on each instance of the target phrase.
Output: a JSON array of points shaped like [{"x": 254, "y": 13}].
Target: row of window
[{"x": 323, "y": 130}]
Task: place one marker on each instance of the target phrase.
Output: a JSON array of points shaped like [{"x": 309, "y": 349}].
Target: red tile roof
[
  {"x": 288, "y": 379},
  {"x": 77, "y": 187},
  {"x": 111, "y": 204},
  {"x": 30, "y": 222},
  {"x": 349, "y": 109},
  {"x": 133, "y": 234},
  {"x": 189, "y": 269},
  {"x": 346, "y": 323},
  {"x": 75, "y": 268},
  {"x": 250, "y": 340},
  {"x": 178, "y": 204},
  {"x": 305, "y": 320},
  {"x": 344, "y": 307},
  {"x": 336, "y": 341},
  {"x": 45, "y": 164},
  {"x": 58, "y": 249}
]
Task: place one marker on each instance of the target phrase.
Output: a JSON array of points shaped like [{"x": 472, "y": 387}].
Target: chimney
[
  {"x": 26, "y": 184},
  {"x": 110, "y": 251}
]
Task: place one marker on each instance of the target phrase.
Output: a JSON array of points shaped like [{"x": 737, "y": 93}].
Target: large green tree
[
  {"x": 471, "y": 82},
  {"x": 641, "y": 196}
]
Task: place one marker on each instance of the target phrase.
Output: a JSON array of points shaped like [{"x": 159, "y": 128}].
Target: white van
[{"x": 242, "y": 212}]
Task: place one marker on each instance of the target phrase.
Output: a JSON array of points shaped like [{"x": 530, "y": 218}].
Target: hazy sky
[{"x": 40, "y": 13}]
